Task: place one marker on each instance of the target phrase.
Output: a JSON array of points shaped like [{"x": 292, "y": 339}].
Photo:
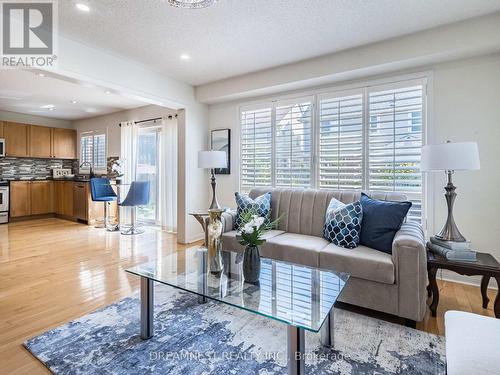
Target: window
[
  {"x": 93, "y": 150},
  {"x": 341, "y": 142},
  {"x": 256, "y": 148},
  {"x": 292, "y": 144},
  {"x": 368, "y": 138}
]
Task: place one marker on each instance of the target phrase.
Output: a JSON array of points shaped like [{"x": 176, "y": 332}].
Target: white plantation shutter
[
  {"x": 256, "y": 148},
  {"x": 93, "y": 150},
  {"x": 368, "y": 138},
  {"x": 86, "y": 148},
  {"x": 100, "y": 151},
  {"x": 394, "y": 142},
  {"x": 292, "y": 148},
  {"x": 341, "y": 142}
]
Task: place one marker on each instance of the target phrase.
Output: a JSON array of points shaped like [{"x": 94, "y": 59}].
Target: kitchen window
[
  {"x": 93, "y": 151},
  {"x": 367, "y": 138}
]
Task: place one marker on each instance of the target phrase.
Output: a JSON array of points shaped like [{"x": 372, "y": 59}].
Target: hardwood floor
[{"x": 53, "y": 271}]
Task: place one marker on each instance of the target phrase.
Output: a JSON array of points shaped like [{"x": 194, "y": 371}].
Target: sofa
[{"x": 394, "y": 284}]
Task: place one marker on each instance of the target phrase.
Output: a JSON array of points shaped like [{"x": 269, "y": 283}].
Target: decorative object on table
[
  {"x": 486, "y": 266},
  {"x": 460, "y": 246},
  {"x": 101, "y": 191},
  {"x": 450, "y": 157},
  {"x": 214, "y": 233},
  {"x": 381, "y": 220},
  {"x": 449, "y": 254},
  {"x": 212, "y": 160},
  {"x": 260, "y": 206},
  {"x": 250, "y": 234},
  {"x": 115, "y": 167},
  {"x": 343, "y": 223},
  {"x": 138, "y": 195},
  {"x": 221, "y": 141}
]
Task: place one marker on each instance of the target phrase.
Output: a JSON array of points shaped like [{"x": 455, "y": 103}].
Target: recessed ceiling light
[
  {"x": 73, "y": 101},
  {"x": 107, "y": 92},
  {"x": 40, "y": 75},
  {"x": 83, "y": 7},
  {"x": 50, "y": 107},
  {"x": 185, "y": 56}
]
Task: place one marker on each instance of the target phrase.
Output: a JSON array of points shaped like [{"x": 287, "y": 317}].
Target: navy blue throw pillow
[{"x": 381, "y": 221}]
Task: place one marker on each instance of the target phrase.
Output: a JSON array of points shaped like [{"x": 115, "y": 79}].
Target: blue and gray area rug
[{"x": 213, "y": 338}]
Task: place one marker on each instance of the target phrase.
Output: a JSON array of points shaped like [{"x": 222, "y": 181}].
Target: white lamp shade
[
  {"x": 212, "y": 159},
  {"x": 460, "y": 156}
]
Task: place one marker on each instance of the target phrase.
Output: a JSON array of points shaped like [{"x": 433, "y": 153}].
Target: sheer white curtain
[
  {"x": 128, "y": 153},
  {"x": 168, "y": 175}
]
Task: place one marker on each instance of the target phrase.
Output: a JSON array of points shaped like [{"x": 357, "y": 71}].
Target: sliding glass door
[{"x": 148, "y": 153}]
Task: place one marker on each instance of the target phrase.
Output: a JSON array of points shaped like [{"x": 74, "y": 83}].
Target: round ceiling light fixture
[{"x": 193, "y": 4}]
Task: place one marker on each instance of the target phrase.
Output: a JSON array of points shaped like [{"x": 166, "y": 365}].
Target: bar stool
[
  {"x": 138, "y": 195},
  {"x": 101, "y": 191}
]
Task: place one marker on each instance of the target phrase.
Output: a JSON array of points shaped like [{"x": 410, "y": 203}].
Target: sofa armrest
[
  {"x": 228, "y": 220},
  {"x": 410, "y": 259}
]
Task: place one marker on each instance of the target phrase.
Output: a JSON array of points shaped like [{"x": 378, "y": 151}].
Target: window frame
[
  {"x": 93, "y": 133},
  {"x": 424, "y": 78}
]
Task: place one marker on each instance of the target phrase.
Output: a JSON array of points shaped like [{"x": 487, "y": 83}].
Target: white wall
[
  {"x": 465, "y": 107},
  {"x": 111, "y": 122},
  {"x": 34, "y": 120}
]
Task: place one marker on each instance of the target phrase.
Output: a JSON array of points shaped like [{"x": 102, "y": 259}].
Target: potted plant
[{"x": 250, "y": 234}]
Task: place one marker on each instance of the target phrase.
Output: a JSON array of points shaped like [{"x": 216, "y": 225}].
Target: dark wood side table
[{"x": 486, "y": 266}]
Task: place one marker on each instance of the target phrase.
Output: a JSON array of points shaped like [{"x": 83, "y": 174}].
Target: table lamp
[
  {"x": 212, "y": 160},
  {"x": 450, "y": 157}
]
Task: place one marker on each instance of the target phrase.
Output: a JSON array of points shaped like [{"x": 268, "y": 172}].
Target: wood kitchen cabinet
[
  {"x": 63, "y": 143},
  {"x": 31, "y": 198},
  {"x": 41, "y": 197},
  {"x": 63, "y": 198},
  {"x": 40, "y": 141},
  {"x": 16, "y": 139},
  {"x": 20, "y": 198},
  {"x": 80, "y": 200},
  {"x": 23, "y": 140}
]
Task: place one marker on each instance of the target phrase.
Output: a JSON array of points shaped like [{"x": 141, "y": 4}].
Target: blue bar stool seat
[
  {"x": 138, "y": 195},
  {"x": 101, "y": 191}
]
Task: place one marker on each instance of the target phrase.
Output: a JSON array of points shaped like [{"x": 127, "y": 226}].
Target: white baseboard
[
  {"x": 447, "y": 275},
  {"x": 196, "y": 237}
]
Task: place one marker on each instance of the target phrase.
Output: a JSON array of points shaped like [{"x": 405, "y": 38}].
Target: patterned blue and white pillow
[
  {"x": 261, "y": 204},
  {"x": 343, "y": 223}
]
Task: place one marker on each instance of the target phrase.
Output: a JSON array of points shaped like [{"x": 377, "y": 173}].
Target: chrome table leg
[
  {"x": 147, "y": 307},
  {"x": 296, "y": 349},
  {"x": 327, "y": 331}
]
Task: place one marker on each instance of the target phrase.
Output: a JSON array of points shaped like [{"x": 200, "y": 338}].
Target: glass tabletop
[{"x": 294, "y": 294}]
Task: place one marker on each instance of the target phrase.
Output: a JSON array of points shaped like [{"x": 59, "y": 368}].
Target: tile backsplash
[{"x": 32, "y": 168}]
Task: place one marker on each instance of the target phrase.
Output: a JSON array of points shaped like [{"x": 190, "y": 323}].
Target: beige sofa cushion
[
  {"x": 304, "y": 209},
  {"x": 295, "y": 248},
  {"x": 362, "y": 262},
  {"x": 230, "y": 243}
]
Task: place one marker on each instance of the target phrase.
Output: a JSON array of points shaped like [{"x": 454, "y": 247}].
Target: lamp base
[
  {"x": 450, "y": 230},
  {"x": 214, "y": 205}
]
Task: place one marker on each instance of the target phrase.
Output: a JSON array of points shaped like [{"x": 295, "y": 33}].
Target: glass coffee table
[{"x": 299, "y": 296}]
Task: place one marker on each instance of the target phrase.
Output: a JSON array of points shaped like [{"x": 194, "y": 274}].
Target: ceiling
[
  {"x": 25, "y": 92},
  {"x": 234, "y": 37}
]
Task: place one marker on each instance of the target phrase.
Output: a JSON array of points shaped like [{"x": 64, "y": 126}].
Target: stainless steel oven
[
  {"x": 4, "y": 202},
  {"x": 2, "y": 147}
]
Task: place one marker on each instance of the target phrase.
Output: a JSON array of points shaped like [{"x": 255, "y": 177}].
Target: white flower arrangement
[{"x": 253, "y": 228}]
